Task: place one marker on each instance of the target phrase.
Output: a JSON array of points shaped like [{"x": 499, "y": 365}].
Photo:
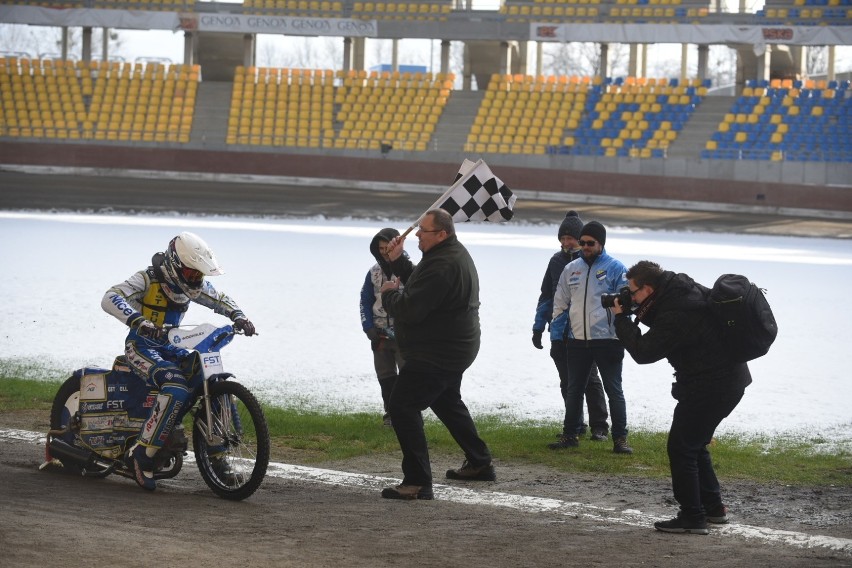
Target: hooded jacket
[
  {"x": 682, "y": 330},
  {"x": 373, "y": 313},
  {"x": 437, "y": 314}
]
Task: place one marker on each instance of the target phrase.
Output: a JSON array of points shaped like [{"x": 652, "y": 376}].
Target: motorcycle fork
[{"x": 212, "y": 440}]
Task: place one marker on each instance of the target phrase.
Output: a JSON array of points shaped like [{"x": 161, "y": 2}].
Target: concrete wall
[{"x": 772, "y": 186}]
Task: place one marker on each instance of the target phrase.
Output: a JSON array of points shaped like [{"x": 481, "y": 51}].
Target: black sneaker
[
  {"x": 408, "y": 492},
  {"x": 681, "y": 524},
  {"x": 598, "y": 435},
  {"x": 469, "y": 472},
  {"x": 564, "y": 442},
  {"x": 717, "y": 515},
  {"x": 619, "y": 446}
]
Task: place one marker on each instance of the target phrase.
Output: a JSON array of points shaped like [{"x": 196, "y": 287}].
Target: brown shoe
[
  {"x": 469, "y": 472},
  {"x": 619, "y": 446},
  {"x": 407, "y": 492}
]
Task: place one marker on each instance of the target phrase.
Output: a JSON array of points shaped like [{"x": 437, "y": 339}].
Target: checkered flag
[{"x": 478, "y": 195}]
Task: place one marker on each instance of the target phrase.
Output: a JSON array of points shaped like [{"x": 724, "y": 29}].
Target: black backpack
[{"x": 748, "y": 326}]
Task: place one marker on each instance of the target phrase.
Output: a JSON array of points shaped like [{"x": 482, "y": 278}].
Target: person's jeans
[
  {"x": 608, "y": 355},
  {"x": 595, "y": 399},
  {"x": 694, "y": 482},
  {"x": 421, "y": 386}
]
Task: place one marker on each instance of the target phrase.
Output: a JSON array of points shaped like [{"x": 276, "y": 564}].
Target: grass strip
[{"x": 312, "y": 437}]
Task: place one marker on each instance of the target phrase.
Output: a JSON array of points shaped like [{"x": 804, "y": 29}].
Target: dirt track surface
[{"x": 51, "y": 518}]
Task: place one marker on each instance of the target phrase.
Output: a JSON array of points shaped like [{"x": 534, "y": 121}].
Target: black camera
[{"x": 624, "y": 298}]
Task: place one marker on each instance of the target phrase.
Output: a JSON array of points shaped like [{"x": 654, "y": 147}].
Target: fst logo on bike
[{"x": 211, "y": 363}]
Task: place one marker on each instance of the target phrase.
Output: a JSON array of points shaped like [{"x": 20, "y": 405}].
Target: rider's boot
[
  {"x": 224, "y": 471},
  {"x": 143, "y": 466}
]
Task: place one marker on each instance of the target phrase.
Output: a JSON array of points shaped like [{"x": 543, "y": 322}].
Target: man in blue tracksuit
[{"x": 590, "y": 335}]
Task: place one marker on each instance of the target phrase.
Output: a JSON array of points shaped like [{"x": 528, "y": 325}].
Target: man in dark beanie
[
  {"x": 589, "y": 333},
  {"x": 568, "y": 233},
  {"x": 595, "y": 230}
]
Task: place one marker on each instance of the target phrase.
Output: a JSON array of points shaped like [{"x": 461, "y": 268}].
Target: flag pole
[{"x": 443, "y": 197}]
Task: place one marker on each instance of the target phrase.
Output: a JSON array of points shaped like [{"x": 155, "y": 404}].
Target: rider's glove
[
  {"x": 244, "y": 325},
  {"x": 145, "y": 328},
  {"x": 536, "y": 339}
]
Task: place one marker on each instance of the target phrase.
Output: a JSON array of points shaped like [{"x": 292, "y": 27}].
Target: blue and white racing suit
[{"x": 148, "y": 295}]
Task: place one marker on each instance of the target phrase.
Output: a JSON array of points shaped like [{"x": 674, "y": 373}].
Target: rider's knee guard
[{"x": 169, "y": 408}]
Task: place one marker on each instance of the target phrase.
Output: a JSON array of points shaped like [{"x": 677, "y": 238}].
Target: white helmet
[{"x": 187, "y": 261}]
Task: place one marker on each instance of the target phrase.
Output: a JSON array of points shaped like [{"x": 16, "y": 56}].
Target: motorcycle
[{"x": 97, "y": 415}]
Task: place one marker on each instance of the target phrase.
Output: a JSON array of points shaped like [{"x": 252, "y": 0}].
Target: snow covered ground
[{"x": 299, "y": 281}]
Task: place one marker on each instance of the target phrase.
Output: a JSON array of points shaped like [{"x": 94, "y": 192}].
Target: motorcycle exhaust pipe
[{"x": 63, "y": 451}]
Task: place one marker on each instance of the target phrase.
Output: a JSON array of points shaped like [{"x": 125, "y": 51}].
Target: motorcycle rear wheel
[
  {"x": 234, "y": 468},
  {"x": 63, "y": 413}
]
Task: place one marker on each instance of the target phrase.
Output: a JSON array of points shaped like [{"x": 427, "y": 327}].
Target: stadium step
[
  {"x": 701, "y": 126},
  {"x": 211, "y": 112},
  {"x": 453, "y": 127}
]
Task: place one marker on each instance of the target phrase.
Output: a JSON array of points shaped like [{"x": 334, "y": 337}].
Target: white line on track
[{"x": 525, "y": 503}]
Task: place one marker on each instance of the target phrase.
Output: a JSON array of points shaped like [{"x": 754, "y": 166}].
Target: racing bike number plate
[{"x": 211, "y": 363}]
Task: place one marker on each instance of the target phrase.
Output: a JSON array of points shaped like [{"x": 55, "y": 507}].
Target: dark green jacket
[{"x": 437, "y": 312}]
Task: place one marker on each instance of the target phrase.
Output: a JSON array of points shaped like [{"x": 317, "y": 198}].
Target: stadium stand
[
  {"x": 380, "y": 10},
  {"x": 312, "y": 8},
  {"x": 105, "y": 101},
  {"x": 636, "y": 116},
  {"x": 281, "y": 107},
  {"x": 619, "y": 11},
  {"x": 304, "y": 108},
  {"x": 786, "y": 120},
  {"x": 806, "y": 12},
  {"x": 518, "y": 114},
  {"x": 524, "y": 114},
  {"x": 633, "y": 116},
  {"x": 399, "y": 110}
]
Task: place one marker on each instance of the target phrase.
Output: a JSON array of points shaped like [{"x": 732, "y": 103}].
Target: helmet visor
[{"x": 191, "y": 276}]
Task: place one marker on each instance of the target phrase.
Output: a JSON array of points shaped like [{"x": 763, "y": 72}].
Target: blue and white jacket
[{"x": 577, "y": 310}]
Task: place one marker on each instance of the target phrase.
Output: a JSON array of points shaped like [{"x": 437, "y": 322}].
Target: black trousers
[
  {"x": 696, "y": 418},
  {"x": 595, "y": 399},
  {"x": 421, "y": 386}
]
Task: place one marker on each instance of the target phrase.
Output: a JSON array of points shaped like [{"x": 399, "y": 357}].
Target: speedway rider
[{"x": 150, "y": 302}]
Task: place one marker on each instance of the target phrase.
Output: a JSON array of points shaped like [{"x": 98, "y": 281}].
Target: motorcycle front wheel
[{"x": 234, "y": 463}]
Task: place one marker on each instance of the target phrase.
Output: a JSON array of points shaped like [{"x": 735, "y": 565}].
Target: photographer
[
  {"x": 584, "y": 324},
  {"x": 708, "y": 386}
]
